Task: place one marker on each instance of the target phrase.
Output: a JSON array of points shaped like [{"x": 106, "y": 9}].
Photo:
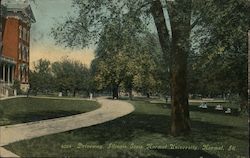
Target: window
[
  {"x": 20, "y": 51},
  {"x": 24, "y": 34},
  {"x": 23, "y": 75},
  {"x": 23, "y": 53},
  {"x": 27, "y": 74},
  {"x": 27, "y": 55},
  {"x": 20, "y": 31},
  {"x": 28, "y": 35},
  {"x": 20, "y": 55},
  {"x": 20, "y": 72}
]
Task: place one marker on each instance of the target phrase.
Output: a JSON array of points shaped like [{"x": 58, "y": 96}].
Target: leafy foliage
[
  {"x": 132, "y": 63},
  {"x": 41, "y": 78},
  {"x": 220, "y": 64},
  {"x": 70, "y": 76},
  {"x": 217, "y": 64},
  {"x": 63, "y": 76}
]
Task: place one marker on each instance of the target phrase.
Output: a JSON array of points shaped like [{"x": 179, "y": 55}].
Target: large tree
[
  {"x": 94, "y": 15},
  {"x": 71, "y": 76},
  {"x": 115, "y": 52},
  {"x": 179, "y": 46},
  {"x": 41, "y": 78},
  {"x": 220, "y": 62},
  {"x": 151, "y": 74},
  {"x": 122, "y": 59}
]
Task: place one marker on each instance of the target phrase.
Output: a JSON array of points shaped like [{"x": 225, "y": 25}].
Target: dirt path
[
  {"x": 109, "y": 110},
  {"x": 7, "y": 153}
]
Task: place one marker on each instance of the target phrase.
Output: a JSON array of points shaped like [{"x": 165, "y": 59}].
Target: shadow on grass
[
  {"x": 135, "y": 125},
  {"x": 39, "y": 116},
  {"x": 140, "y": 128},
  {"x": 137, "y": 128}
]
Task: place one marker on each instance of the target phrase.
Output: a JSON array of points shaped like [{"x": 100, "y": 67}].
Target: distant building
[{"x": 16, "y": 20}]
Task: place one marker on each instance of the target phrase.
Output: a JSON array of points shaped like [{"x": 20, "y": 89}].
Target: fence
[{"x": 5, "y": 90}]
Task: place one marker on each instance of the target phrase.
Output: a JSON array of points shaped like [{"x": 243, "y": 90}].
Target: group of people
[{"x": 217, "y": 107}]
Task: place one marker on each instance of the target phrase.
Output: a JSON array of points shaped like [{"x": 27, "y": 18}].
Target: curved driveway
[{"x": 109, "y": 110}]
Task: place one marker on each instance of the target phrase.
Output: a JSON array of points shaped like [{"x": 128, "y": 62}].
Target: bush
[{"x": 16, "y": 86}]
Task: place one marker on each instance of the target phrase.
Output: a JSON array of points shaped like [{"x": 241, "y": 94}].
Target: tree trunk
[
  {"x": 130, "y": 94},
  {"x": 160, "y": 23},
  {"x": 243, "y": 96},
  {"x": 178, "y": 48},
  {"x": 180, "y": 18},
  {"x": 180, "y": 122},
  {"x": 115, "y": 92},
  {"x": 66, "y": 93}
]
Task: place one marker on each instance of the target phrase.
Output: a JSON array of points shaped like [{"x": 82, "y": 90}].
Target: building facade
[
  {"x": 0, "y": 26},
  {"x": 248, "y": 65},
  {"x": 17, "y": 17},
  {"x": 1, "y": 15}
]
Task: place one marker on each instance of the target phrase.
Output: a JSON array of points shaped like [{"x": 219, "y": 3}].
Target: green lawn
[
  {"x": 145, "y": 133},
  {"x": 22, "y": 110}
]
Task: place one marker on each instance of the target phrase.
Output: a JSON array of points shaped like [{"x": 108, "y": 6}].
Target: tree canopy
[
  {"x": 41, "y": 78},
  {"x": 61, "y": 76},
  {"x": 121, "y": 58},
  {"x": 220, "y": 29},
  {"x": 220, "y": 64}
]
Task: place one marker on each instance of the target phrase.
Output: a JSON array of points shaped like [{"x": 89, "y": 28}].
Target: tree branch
[
  {"x": 142, "y": 6},
  {"x": 195, "y": 22}
]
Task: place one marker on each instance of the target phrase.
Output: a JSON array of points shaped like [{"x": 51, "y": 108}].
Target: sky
[{"x": 47, "y": 12}]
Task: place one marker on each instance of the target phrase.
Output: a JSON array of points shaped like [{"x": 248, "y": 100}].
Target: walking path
[
  {"x": 109, "y": 110},
  {"x": 7, "y": 98},
  {"x": 7, "y": 153}
]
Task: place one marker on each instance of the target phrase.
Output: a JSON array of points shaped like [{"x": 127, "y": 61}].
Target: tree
[
  {"x": 221, "y": 60},
  {"x": 65, "y": 75},
  {"x": 113, "y": 51},
  {"x": 122, "y": 59},
  {"x": 94, "y": 16},
  {"x": 120, "y": 55},
  {"x": 70, "y": 76},
  {"x": 178, "y": 47},
  {"x": 41, "y": 78},
  {"x": 150, "y": 74}
]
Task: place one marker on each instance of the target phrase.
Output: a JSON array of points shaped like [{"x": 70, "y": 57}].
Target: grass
[
  {"x": 145, "y": 133},
  {"x": 21, "y": 110}
]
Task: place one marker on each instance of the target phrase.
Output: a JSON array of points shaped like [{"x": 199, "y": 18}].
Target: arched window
[
  {"x": 28, "y": 55},
  {"x": 28, "y": 35},
  {"x": 20, "y": 31},
  {"x": 24, "y": 34},
  {"x": 19, "y": 70},
  {"x": 20, "y": 51}
]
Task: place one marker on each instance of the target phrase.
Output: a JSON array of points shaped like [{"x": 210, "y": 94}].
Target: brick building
[
  {"x": 1, "y": 15},
  {"x": 249, "y": 64},
  {"x": 16, "y": 20}
]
